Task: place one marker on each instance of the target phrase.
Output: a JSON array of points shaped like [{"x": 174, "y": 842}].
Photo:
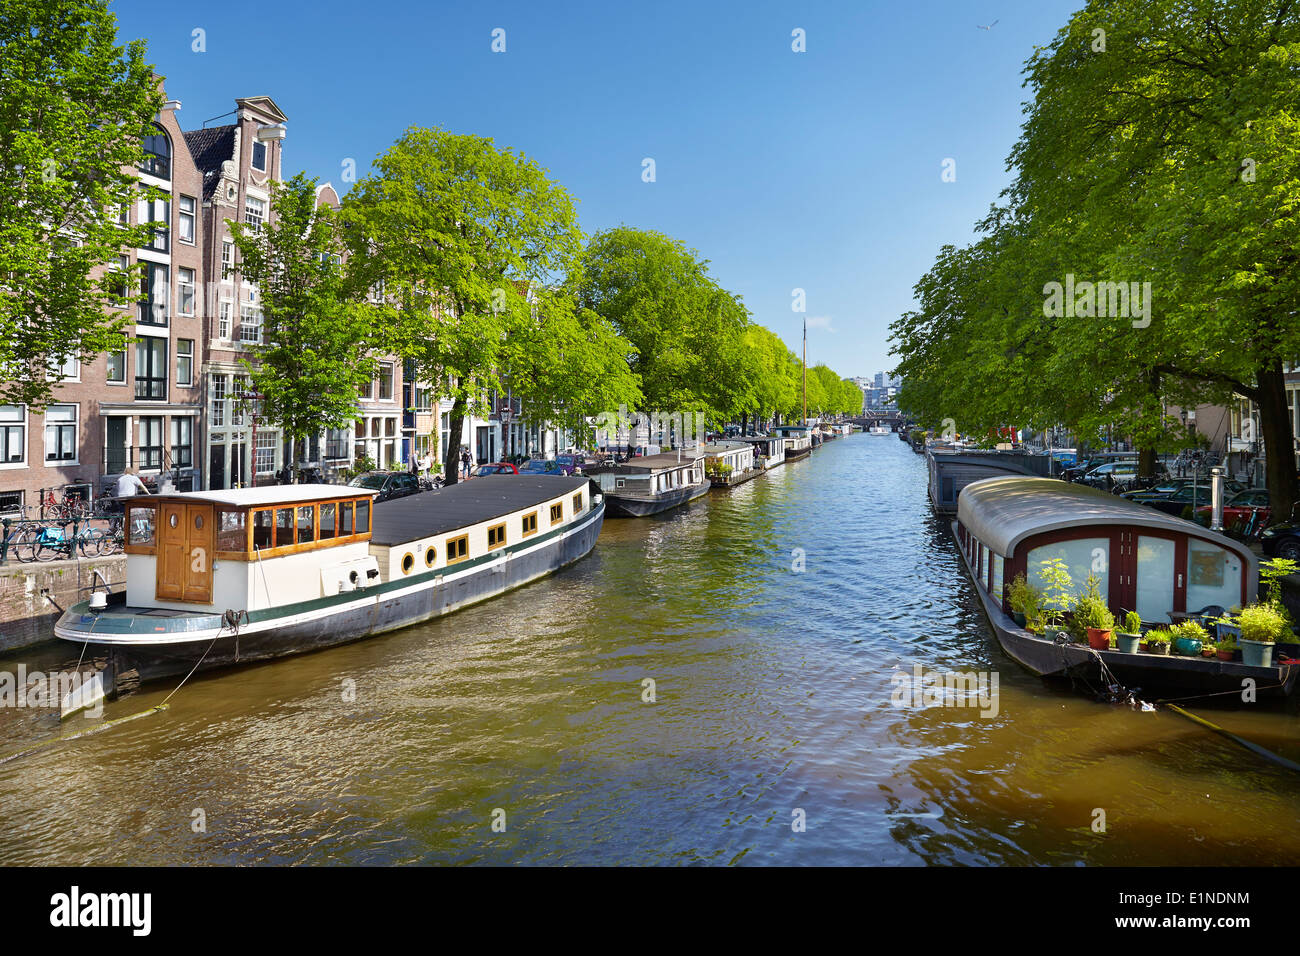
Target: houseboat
[
  {"x": 1163, "y": 567},
  {"x": 879, "y": 430},
  {"x": 729, "y": 463},
  {"x": 798, "y": 440},
  {"x": 952, "y": 469},
  {"x": 769, "y": 450},
  {"x": 641, "y": 487},
  {"x": 224, "y": 577}
]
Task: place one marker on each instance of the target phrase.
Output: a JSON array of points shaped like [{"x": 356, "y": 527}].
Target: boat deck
[{"x": 464, "y": 504}]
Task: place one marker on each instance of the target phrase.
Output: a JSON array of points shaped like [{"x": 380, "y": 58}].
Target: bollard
[{"x": 1216, "y": 499}]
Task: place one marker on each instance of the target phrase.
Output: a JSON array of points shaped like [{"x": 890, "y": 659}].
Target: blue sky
[{"x": 818, "y": 170}]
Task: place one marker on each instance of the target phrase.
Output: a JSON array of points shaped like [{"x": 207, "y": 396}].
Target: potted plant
[
  {"x": 1226, "y": 649},
  {"x": 1091, "y": 612},
  {"x": 1261, "y": 625},
  {"x": 1188, "y": 638},
  {"x": 1158, "y": 642},
  {"x": 1026, "y": 601},
  {"x": 1056, "y": 595},
  {"x": 1128, "y": 639}
]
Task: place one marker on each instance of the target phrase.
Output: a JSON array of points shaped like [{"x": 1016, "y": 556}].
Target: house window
[
  {"x": 227, "y": 259},
  {"x": 153, "y": 294},
  {"x": 530, "y": 524},
  {"x": 265, "y": 452},
  {"x": 11, "y": 502},
  {"x": 254, "y": 213},
  {"x": 496, "y": 536},
  {"x": 157, "y": 155},
  {"x": 151, "y": 369},
  {"x": 117, "y": 365},
  {"x": 557, "y": 513},
  {"x": 182, "y": 442},
  {"x": 117, "y": 282},
  {"x": 336, "y": 444},
  {"x": 69, "y": 370},
  {"x": 458, "y": 549},
  {"x": 250, "y": 325},
  {"x": 259, "y": 156},
  {"x": 184, "y": 361},
  {"x": 385, "y": 381},
  {"x": 185, "y": 291},
  {"x": 61, "y": 433},
  {"x": 185, "y": 219},
  {"x": 158, "y": 213},
  {"x": 151, "y": 442},
  {"x": 223, "y": 320},
  {"x": 13, "y": 434},
  {"x": 217, "y": 413}
]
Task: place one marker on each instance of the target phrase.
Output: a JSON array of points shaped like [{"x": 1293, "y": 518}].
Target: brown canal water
[{"x": 773, "y": 703}]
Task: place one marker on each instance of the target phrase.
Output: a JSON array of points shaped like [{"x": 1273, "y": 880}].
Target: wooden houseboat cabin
[{"x": 728, "y": 463}]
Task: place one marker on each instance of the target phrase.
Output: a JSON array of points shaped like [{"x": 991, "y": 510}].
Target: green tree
[
  {"x": 457, "y": 230},
  {"x": 75, "y": 109},
  {"x": 314, "y": 358}
]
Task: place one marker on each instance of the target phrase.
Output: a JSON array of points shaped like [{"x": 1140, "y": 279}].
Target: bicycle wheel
[
  {"x": 47, "y": 549},
  {"x": 22, "y": 545},
  {"x": 91, "y": 542}
]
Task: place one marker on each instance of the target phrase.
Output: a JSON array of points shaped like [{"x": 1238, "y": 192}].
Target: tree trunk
[
  {"x": 1279, "y": 442},
  {"x": 455, "y": 424},
  {"x": 1146, "y": 462}
]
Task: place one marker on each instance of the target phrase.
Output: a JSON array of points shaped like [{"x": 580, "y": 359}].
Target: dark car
[
  {"x": 1282, "y": 541},
  {"x": 496, "y": 468},
  {"x": 1123, "y": 473},
  {"x": 1239, "y": 508},
  {"x": 571, "y": 463},
  {"x": 389, "y": 484},
  {"x": 543, "y": 466},
  {"x": 1183, "y": 498},
  {"x": 1088, "y": 463}
]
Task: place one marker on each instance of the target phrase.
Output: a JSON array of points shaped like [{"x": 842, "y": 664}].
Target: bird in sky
[{"x": 989, "y": 27}]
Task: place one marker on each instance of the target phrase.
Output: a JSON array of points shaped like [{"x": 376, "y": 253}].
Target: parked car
[
  {"x": 1282, "y": 541},
  {"x": 1239, "y": 508},
  {"x": 543, "y": 466},
  {"x": 1182, "y": 499},
  {"x": 1095, "y": 460},
  {"x": 496, "y": 468},
  {"x": 389, "y": 484},
  {"x": 1114, "y": 473},
  {"x": 572, "y": 464},
  {"x": 1170, "y": 486}
]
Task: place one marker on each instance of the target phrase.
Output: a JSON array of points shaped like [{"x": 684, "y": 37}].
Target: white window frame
[
  {"x": 125, "y": 371},
  {"x": 181, "y": 286},
  {"x": 59, "y": 423},
  {"x": 181, "y": 358},
  {"x": 192, "y": 215},
  {"x": 246, "y": 311},
  {"x": 225, "y": 319},
  {"x": 255, "y": 223},
  {"x": 227, "y": 262},
  {"x": 266, "y": 156},
  {"x": 22, "y": 422}
]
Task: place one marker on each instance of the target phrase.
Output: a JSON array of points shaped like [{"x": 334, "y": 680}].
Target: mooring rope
[{"x": 1240, "y": 741}]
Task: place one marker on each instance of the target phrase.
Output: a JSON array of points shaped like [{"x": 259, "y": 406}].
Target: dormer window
[
  {"x": 157, "y": 155},
  {"x": 259, "y": 156}
]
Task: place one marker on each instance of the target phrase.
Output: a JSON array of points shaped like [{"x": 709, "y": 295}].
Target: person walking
[
  {"x": 465, "y": 462},
  {"x": 129, "y": 484}
]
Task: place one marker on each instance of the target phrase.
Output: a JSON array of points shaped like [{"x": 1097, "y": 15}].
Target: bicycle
[{"x": 54, "y": 541}]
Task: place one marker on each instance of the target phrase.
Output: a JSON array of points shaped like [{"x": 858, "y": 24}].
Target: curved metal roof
[{"x": 1002, "y": 512}]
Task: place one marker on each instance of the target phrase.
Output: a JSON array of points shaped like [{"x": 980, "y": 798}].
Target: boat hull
[
  {"x": 635, "y": 506},
  {"x": 1153, "y": 674},
  {"x": 733, "y": 479},
  {"x": 159, "y": 647}
]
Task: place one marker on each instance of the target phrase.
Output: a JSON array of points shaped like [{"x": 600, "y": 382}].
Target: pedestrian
[
  {"x": 465, "y": 461},
  {"x": 129, "y": 484}
]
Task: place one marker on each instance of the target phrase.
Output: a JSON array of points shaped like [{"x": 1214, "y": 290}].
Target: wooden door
[{"x": 186, "y": 538}]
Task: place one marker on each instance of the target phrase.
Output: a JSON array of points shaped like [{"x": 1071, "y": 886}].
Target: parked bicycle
[{"x": 57, "y": 541}]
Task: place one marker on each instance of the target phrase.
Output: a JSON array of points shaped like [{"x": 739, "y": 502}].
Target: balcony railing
[{"x": 151, "y": 388}]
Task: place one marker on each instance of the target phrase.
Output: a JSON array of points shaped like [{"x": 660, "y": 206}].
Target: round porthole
[
  {"x": 430, "y": 556},
  {"x": 198, "y": 521},
  {"x": 352, "y": 576},
  {"x": 174, "y": 520},
  {"x": 408, "y": 562}
]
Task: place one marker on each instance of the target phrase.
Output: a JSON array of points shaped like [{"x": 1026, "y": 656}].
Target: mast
[{"x": 805, "y": 372}]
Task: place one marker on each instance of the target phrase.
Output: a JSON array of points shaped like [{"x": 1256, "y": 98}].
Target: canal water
[{"x": 770, "y": 620}]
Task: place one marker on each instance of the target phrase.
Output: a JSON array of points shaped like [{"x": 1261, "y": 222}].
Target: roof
[
  {"x": 268, "y": 494},
  {"x": 1002, "y": 512},
  {"x": 651, "y": 463},
  {"x": 722, "y": 447},
  {"x": 210, "y": 148},
  {"x": 464, "y": 504}
]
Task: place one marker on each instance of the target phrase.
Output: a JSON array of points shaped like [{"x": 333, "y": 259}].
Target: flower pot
[
  {"x": 1098, "y": 639},
  {"x": 1224, "y": 655},
  {"x": 1256, "y": 653},
  {"x": 1127, "y": 643},
  {"x": 1018, "y": 618},
  {"x": 1161, "y": 649},
  {"x": 1187, "y": 646},
  {"x": 1208, "y": 651}
]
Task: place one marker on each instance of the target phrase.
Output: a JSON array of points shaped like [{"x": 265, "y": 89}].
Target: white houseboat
[
  {"x": 645, "y": 486},
  {"x": 798, "y": 440},
  {"x": 224, "y": 577},
  {"x": 769, "y": 450},
  {"x": 729, "y": 463}
]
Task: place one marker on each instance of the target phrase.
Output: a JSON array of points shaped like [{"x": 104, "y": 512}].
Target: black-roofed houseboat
[
  {"x": 224, "y": 577},
  {"x": 952, "y": 469},
  {"x": 649, "y": 485},
  {"x": 1159, "y": 565},
  {"x": 798, "y": 440}
]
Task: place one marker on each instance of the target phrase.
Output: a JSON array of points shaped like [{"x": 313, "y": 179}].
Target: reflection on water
[{"x": 772, "y": 695}]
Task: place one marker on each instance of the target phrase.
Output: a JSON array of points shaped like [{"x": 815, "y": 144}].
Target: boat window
[
  {"x": 1213, "y": 576},
  {"x": 326, "y": 520},
  {"x": 984, "y": 566},
  {"x": 232, "y": 531},
  {"x": 1156, "y": 558},
  {"x": 457, "y": 549},
  {"x": 306, "y": 524},
  {"x": 496, "y": 536},
  {"x": 577, "y": 503},
  {"x": 408, "y": 562},
  {"x": 997, "y": 576},
  {"x": 363, "y": 517},
  {"x": 141, "y": 525},
  {"x": 345, "y": 519},
  {"x": 530, "y": 524},
  {"x": 1082, "y": 556},
  {"x": 283, "y": 527},
  {"x": 430, "y": 556},
  {"x": 263, "y": 521},
  {"x": 557, "y": 513}
]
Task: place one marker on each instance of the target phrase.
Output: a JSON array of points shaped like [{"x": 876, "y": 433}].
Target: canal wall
[{"x": 27, "y": 615}]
